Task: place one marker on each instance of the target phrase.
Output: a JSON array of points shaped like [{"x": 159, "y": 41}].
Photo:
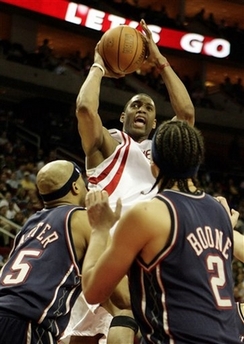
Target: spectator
[
  {"x": 19, "y": 218},
  {"x": 227, "y": 86},
  {"x": 3, "y": 139},
  {"x": 45, "y": 53},
  {"x": 11, "y": 211},
  {"x": 21, "y": 197},
  {"x": 20, "y": 171},
  {"x": 13, "y": 182},
  {"x": 27, "y": 183}
]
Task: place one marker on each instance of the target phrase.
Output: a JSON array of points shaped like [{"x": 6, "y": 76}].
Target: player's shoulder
[
  {"x": 80, "y": 222},
  {"x": 79, "y": 213},
  {"x": 147, "y": 210},
  {"x": 151, "y": 217}
]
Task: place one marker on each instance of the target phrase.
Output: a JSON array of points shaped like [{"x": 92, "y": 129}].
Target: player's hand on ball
[
  {"x": 123, "y": 49},
  {"x": 108, "y": 73},
  {"x": 154, "y": 55}
]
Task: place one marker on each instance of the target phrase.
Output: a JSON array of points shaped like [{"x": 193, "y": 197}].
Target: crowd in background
[{"x": 44, "y": 58}]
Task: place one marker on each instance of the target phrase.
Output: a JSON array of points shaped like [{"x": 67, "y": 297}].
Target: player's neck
[
  {"x": 56, "y": 204},
  {"x": 191, "y": 186},
  {"x": 136, "y": 138}
]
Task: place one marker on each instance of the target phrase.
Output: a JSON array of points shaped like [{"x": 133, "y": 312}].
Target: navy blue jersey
[
  {"x": 185, "y": 294},
  {"x": 41, "y": 280},
  {"x": 240, "y": 321}
]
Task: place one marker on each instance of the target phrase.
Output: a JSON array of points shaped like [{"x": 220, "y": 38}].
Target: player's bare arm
[
  {"x": 80, "y": 233},
  {"x": 95, "y": 139},
  {"x": 179, "y": 97},
  {"x": 238, "y": 237},
  {"x": 126, "y": 244},
  {"x": 239, "y": 246}
]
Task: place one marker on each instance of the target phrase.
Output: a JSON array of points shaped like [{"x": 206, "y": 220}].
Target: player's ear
[
  {"x": 75, "y": 187},
  {"x": 154, "y": 124},
  {"x": 122, "y": 117}
]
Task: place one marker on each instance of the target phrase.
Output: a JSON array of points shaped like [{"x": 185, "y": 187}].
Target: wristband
[
  {"x": 124, "y": 321},
  {"x": 162, "y": 66},
  {"x": 100, "y": 67}
]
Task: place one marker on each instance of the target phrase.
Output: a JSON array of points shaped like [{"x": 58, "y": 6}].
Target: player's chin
[
  {"x": 138, "y": 131},
  {"x": 141, "y": 127}
]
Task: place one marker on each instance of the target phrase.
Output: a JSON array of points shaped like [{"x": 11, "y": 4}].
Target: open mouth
[{"x": 140, "y": 120}]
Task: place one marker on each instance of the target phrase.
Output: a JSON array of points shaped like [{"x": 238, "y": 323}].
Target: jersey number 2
[{"x": 215, "y": 264}]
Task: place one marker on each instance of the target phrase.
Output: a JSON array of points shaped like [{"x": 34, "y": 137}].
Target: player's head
[
  {"x": 138, "y": 117},
  {"x": 177, "y": 152},
  {"x": 61, "y": 181}
]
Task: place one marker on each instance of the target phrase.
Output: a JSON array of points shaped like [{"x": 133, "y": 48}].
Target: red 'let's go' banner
[{"x": 79, "y": 14}]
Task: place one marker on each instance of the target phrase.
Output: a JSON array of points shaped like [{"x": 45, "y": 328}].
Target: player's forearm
[
  {"x": 88, "y": 96},
  {"x": 179, "y": 97},
  {"x": 97, "y": 245},
  {"x": 239, "y": 246},
  {"x": 121, "y": 295}
]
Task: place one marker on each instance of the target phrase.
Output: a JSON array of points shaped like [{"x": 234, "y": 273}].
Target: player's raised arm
[
  {"x": 87, "y": 103},
  {"x": 179, "y": 97},
  {"x": 95, "y": 139}
]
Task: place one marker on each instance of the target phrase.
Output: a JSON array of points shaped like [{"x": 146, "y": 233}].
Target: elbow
[
  {"x": 82, "y": 106},
  {"x": 93, "y": 292},
  {"x": 189, "y": 114},
  {"x": 85, "y": 108},
  {"x": 93, "y": 298}
]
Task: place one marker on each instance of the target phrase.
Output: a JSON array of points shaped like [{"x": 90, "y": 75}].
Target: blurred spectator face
[
  {"x": 19, "y": 218},
  {"x": 3, "y": 177},
  {"x": 3, "y": 187},
  {"x": 27, "y": 175},
  {"x": 3, "y": 210},
  {"x": 8, "y": 196}
]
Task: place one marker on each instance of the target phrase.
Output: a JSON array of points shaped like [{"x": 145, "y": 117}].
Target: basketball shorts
[{"x": 16, "y": 330}]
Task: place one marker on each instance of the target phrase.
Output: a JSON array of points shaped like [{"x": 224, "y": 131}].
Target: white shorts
[{"x": 87, "y": 320}]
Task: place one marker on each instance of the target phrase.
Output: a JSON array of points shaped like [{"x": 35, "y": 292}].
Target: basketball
[{"x": 123, "y": 49}]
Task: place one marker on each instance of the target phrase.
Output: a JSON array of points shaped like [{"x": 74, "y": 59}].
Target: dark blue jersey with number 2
[{"x": 185, "y": 294}]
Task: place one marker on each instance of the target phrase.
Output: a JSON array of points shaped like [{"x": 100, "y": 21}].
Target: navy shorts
[{"x": 16, "y": 330}]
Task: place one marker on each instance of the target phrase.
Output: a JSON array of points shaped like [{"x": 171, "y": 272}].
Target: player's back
[
  {"x": 188, "y": 287},
  {"x": 41, "y": 279}
]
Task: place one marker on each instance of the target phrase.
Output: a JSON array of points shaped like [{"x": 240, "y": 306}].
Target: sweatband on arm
[{"x": 124, "y": 321}]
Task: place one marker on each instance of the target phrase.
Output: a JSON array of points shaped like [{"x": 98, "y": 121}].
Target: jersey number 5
[{"x": 20, "y": 268}]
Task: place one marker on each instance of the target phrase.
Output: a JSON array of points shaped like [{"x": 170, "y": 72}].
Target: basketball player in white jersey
[{"x": 119, "y": 161}]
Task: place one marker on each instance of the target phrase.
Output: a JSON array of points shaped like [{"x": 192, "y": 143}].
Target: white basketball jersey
[{"x": 126, "y": 173}]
